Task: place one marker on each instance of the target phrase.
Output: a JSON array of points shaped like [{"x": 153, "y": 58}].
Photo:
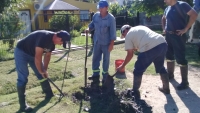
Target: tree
[
  {"x": 12, "y": 4},
  {"x": 115, "y": 9},
  {"x": 152, "y": 7},
  {"x": 61, "y": 19},
  {"x": 10, "y": 24}
]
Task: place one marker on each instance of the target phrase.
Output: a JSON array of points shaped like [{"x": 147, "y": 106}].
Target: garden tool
[
  {"x": 86, "y": 59},
  {"x": 109, "y": 80},
  {"x": 55, "y": 87},
  {"x": 64, "y": 74}
]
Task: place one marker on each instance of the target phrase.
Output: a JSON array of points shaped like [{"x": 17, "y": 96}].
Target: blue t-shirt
[
  {"x": 40, "y": 38},
  {"x": 176, "y": 16}
]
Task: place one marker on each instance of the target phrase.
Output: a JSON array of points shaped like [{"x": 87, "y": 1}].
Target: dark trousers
[
  {"x": 176, "y": 48},
  {"x": 155, "y": 55}
]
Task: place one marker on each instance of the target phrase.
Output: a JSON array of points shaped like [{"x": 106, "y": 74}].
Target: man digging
[
  {"x": 152, "y": 47},
  {"x": 30, "y": 51}
]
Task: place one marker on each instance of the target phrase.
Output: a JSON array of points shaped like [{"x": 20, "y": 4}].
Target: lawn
[{"x": 73, "y": 81}]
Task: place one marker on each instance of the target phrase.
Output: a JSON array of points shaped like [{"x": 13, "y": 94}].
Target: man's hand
[
  {"x": 45, "y": 74},
  {"x": 87, "y": 30},
  {"x": 110, "y": 48},
  {"x": 120, "y": 68},
  {"x": 164, "y": 32},
  {"x": 181, "y": 32}
]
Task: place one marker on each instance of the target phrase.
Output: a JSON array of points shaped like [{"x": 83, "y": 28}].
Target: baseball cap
[
  {"x": 124, "y": 27},
  {"x": 65, "y": 37},
  {"x": 102, "y": 4}
]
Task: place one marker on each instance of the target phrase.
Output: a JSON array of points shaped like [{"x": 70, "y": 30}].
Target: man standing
[
  {"x": 104, "y": 26},
  {"x": 175, "y": 25},
  {"x": 197, "y": 9},
  {"x": 30, "y": 51},
  {"x": 152, "y": 47}
]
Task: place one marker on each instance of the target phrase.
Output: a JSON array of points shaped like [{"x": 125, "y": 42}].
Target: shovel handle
[{"x": 55, "y": 86}]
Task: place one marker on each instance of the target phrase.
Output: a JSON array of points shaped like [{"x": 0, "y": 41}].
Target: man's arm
[
  {"x": 193, "y": 16},
  {"x": 129, "y": 56},
  {"x": 163, "y": 22},
  {"x": 46, "y": 60},
  {"x": 112, "y": 33},
  {"x": 38, "y": 61}
]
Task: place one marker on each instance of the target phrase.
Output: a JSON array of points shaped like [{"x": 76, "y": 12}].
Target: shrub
[
  {"x": 74, "y": 33},
  {"x": 10, "y": 25},
  {"x": 62, "y": 20}
]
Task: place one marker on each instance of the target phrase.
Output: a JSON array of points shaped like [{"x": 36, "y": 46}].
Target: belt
[{"x": 171, "y": 32}]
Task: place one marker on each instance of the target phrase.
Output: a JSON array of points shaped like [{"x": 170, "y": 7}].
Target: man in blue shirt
[
  {"x": 175, "y": 25},
  {"x": 196, "y": 7},
  {"x": 104, "y": 25}
]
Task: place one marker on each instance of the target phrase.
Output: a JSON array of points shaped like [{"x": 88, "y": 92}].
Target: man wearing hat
[
  {"x": 30, "y": 50},
  {"x": 152, "y": 47},
  {"x": 104, "y": 26}
]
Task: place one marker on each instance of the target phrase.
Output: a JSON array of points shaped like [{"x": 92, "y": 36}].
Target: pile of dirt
[{"x": 112, "y": 102}]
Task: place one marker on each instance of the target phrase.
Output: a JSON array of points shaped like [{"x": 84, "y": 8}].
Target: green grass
[
  {"x": 73, "y": 81},
  {"x": 6, "y": 52}
]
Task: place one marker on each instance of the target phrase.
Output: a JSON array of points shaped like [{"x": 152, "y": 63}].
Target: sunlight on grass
[{"x": 73, "y": 81}]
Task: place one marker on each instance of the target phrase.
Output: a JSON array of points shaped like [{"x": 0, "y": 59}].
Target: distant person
[
  {"x": 152, "y": 47},
  {"x": 30, "y": 50},
  {"x": 175, "y": 25},
  {"x": 104, "y": 26}
]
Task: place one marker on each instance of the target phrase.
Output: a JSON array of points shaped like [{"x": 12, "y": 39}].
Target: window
[
  {"x": 45, "y": 16},
  {"x": 84, "y": 15}
]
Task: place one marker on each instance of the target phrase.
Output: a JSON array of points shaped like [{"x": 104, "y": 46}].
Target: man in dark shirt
[
  {"x": 30, "y": 51},
  {"x": 175, "y": 24}
]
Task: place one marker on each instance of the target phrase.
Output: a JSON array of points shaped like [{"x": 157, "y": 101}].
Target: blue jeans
[
  {"x": 176, "y": 48},
  {"x": 155, "y": 55},
  {"x": 97, "y": 56},
  {"x": 21, "y": 61}
]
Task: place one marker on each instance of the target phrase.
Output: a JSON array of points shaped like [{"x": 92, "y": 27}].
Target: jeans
[
  {"x": 97, "y": 56},
  {"x": 155, "y": 55},
  {"x": 21, "y": 61},
  {"x": 176, "y": 48}
]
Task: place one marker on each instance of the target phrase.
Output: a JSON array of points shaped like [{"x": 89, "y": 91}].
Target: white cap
[{"x": 124, "y": 27}]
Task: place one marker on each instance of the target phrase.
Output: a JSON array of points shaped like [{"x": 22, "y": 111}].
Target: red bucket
[{"x": 118, "y": 62}]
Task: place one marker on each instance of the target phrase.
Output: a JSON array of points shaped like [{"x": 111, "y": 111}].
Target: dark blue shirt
[
  {"x": 40, "y": 38},
  {"x": 176, "y": 16}
]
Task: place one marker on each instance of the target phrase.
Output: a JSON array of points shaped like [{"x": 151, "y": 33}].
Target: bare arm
[
  {"x": 193, "y": 16},
  {"x": 163, "y": 21},
  {"x": 38, "y": 60},
  {"x": 129, "y": 56},
  {"x": 47, "y": 58},
  {"x": 111, "y": 45}
]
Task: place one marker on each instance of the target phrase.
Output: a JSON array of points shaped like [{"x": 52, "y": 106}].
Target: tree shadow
[
  {"x": 63, "y": 56},
  {"x": 189, "y": 97}
]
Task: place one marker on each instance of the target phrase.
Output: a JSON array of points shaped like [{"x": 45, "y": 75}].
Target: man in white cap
[{"x": 152, "y": 47}]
